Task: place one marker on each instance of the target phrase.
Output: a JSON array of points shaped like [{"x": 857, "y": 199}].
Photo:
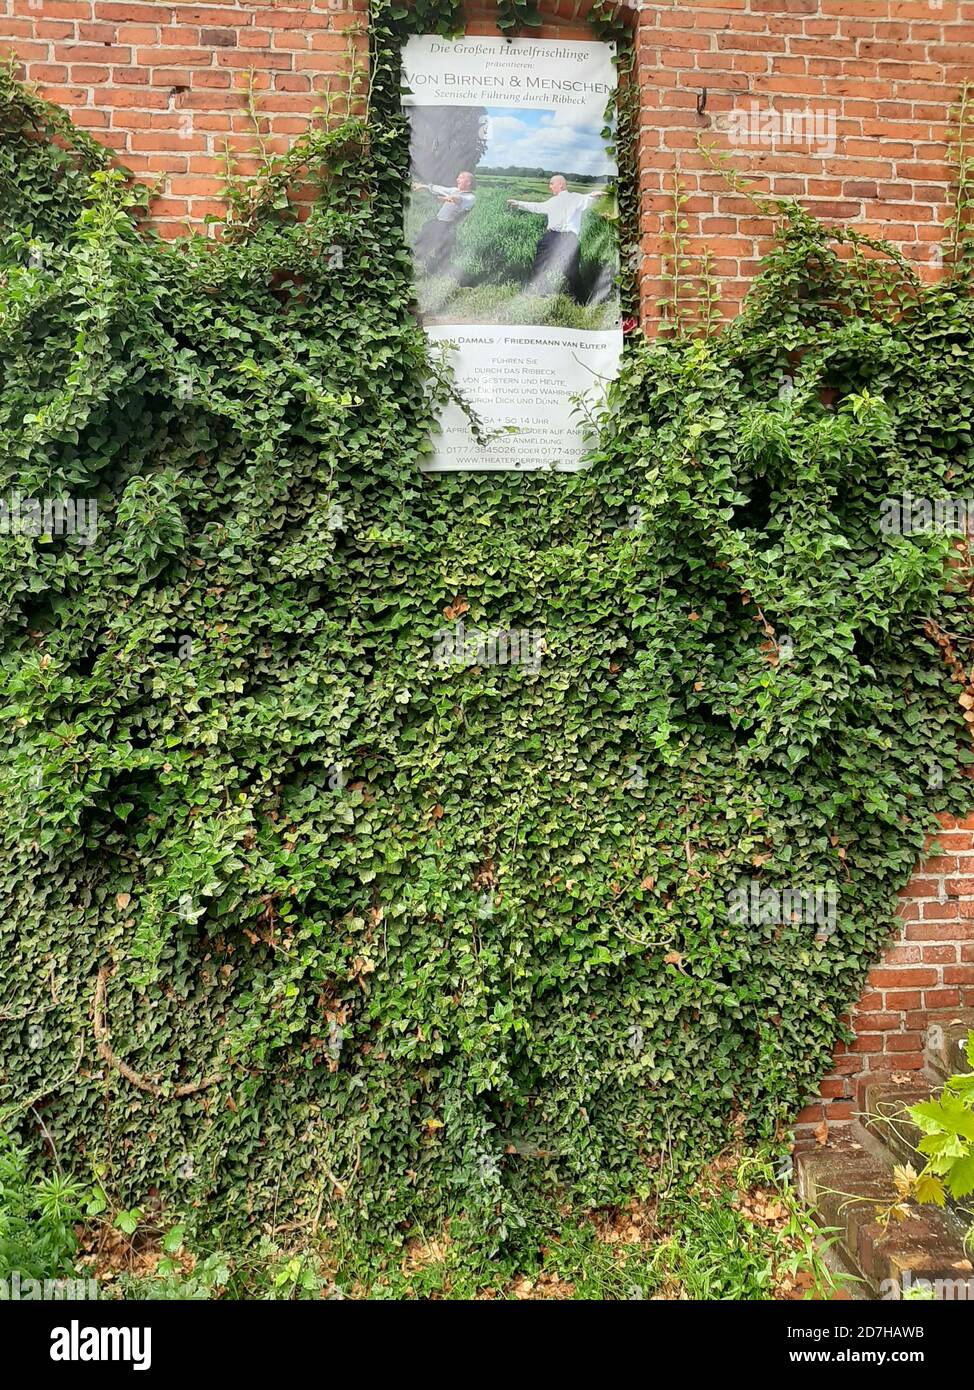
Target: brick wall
[
  {"x": 927, "y": 968},
  {"x": 886, "y": 70},
  {"x": 167, "y": 86}
]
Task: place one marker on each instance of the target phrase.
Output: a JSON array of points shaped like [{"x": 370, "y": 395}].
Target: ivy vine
[{"x": 412, "y": 940}]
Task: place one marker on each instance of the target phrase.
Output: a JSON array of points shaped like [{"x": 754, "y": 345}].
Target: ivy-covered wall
[
  {"x": 925, "y": 974},
  {"x": 292, "y": 913}
]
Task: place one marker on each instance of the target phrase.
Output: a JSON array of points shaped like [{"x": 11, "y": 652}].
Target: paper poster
[{"x": 513, "y": 233}]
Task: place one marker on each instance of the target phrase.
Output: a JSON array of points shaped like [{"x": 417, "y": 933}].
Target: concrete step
[
  {"x": 945, "y": 1043},
  {"x": 849, "y": 1187}
]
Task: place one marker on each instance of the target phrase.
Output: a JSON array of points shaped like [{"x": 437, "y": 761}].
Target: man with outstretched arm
[
  {"x": 437, "y": 237},
  {"x": 558, "y": 256}
]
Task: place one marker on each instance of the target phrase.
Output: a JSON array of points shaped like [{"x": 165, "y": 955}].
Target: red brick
[
  {"x": 868, "y": 1022},
  {"x": 902, "y": 955},
  {"x": 940, "y": 912},
  {"x": 936, "y": 931},
  {"x": 921, "y": 888},
  {"x": 161, "y": 55},
  {"x": 67, "y": 9},
  {"x": 910, "y": 1061},
  {"x": 166, "y": 140},
  {"x": 123, "y": 97},
  {"x": 882, "y": 978},
  {"x": 90, "y": 52},
  {"x": 941, "y": 999},
  {"x": 122, "y": 10},
  {"x": 939, "y": 955},
  {"x": 958, "y": 841}
]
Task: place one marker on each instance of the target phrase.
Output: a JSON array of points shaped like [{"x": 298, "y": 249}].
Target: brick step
[
  {"x": 945, "y": 1043},
  {"x": 882, "y": 1117},
  {"x": 845, "y": 1184}
]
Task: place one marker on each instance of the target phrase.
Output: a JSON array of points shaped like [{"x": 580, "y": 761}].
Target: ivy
[{"x": 402, "y": 939}]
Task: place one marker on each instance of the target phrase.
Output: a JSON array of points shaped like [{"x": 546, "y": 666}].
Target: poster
[{"x": 513, "y": 234}]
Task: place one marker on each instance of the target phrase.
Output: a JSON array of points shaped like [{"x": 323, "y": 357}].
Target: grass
[
  {"x": 495, "y": 252},
  {"x": 442, "y": 301}
]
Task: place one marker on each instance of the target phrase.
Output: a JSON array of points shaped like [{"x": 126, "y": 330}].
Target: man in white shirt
[
  {"x": 558, "y": 256},
  {"x": 436, "y": 239}
]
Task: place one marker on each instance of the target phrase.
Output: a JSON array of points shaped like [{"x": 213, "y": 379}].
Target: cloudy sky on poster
[{"x": 564, "y": 141}]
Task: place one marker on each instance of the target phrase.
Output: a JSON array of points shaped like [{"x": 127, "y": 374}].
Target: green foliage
[
  {"x": 262, "y": 1271},
  {"x": 42, "y": 182},
  {"x": 514, "y": 15},
  {"x": 746, "y": 1236},
  {"x": 446, "y": 140},
  {"x": 36, "y": 1214},
  {"x": 394, "y": 940},
  {"x": 947, "y": 1123}
]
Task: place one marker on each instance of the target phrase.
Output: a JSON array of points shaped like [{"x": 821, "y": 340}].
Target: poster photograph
[{"x": 512, "y": 225}]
